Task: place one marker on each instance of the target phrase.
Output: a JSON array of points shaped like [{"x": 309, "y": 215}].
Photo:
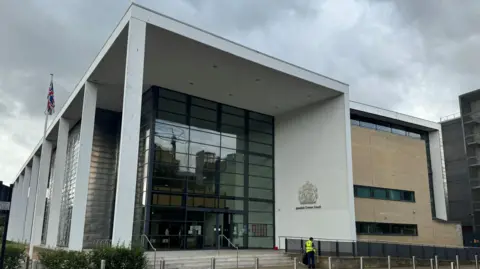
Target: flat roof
[{"x": 393, "y": 117}]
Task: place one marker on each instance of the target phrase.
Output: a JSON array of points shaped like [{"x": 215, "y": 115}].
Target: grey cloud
[{"x": 409, "y": 55}]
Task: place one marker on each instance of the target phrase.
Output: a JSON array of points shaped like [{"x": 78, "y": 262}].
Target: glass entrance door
[{"x": 214, "y": 229}]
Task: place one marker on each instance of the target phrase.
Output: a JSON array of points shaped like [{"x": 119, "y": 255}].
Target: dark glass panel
[
  {"x": 233, "y": 120},
  {"x": 260, "y": 182},
  {"x": 262, "y": 171},
  {"x": 260, "y": 126},
  {"x": 231, "y": 179},
  {"x": 260, "y": 148},
  {"x": 231, "y": 167},
  {"x": 228, "y": 190},
  {"x": 232, "y": 143},
  {"x": 204, "y": 113},
  {"x": 233, "y": 110},
  {"x": 172, "y": 118},
  {"x": 260, "y": 194},
  {"x": 261, "y": 117},
  {"x": 172, "y": 95},
  {"x": 260, "y": 206},
  {"x": 172, "y": 106},
  {"x": 203, "y": 125},
  {"x": 204, "y": 103},
  {"x": 232, "y": 131},
  {"x": 261, "y": 137},
  {"x": 168, "y": 185},
  {"x": 232, "y": 155}
]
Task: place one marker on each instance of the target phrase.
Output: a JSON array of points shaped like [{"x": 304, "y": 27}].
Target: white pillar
[
  {"x": 21, "y": 210},
  {"x": 59, "y": 174},
  {"x": 31, "y": 198},
  {"x": 129, "y": 137},
  {"x": 12, "y": 224},
  {"x": 26, "y": 186},
  {"x": 77, "y": 225},
  {"x": 39, "y": 209}
]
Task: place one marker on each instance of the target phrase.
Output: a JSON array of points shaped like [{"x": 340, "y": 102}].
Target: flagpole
[{"x": 44, "y": 139}]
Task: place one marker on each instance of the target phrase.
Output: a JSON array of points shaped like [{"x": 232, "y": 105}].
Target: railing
[
  {"x": 345, "y": 248},
  {"x": 230, "y": 243},
  {"x": 450, "y": 117},
  {"x": 154, "y": 250}
]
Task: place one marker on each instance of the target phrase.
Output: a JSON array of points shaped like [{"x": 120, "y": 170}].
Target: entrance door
[{"x": 214, "y": 229}]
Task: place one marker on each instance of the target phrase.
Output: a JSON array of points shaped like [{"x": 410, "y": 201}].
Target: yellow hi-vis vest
[{"x": 309, "y": 246}]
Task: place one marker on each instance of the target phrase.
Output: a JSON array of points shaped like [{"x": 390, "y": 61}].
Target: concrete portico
[{"x": 311, "y": 130}]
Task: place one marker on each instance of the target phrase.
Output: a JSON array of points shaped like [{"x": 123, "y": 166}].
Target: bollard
[
  {"x": 452, "y": 266},
  {"x": 162, "y": 264},
  {"x": 102, "y": 264},
  {"x": 213, "y": 263},
  {"x": 34, "y": 264},
  {"x": 476, "y": 261},
  {"x": 413, "y": 262},
  {"x": 436, "y": 262},
  {"x": 431, "y": 263},
  {"x": 361, "y": 262},
  {"x": 329, "y": 262},
  {"x": 458, "y": 262},
  {"x": 257, "y": 263},
  {"x": 295, "y": 263},
  {"x": 389, "y": 262}
]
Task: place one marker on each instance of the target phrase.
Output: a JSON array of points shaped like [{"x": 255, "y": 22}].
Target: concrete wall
[
  {"x": 459, "y": 195},
  {"x": 312, "y": 144},
  {"x": 386, "y": 160}
]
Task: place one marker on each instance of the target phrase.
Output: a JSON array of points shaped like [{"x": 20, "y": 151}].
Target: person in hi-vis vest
[{"x": 310, "y": 252}]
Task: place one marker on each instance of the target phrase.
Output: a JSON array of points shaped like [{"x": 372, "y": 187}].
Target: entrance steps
[{"x": 224, "y": 259}]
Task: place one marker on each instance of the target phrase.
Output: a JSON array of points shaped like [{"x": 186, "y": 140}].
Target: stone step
[{"x": 226, "y": 260}]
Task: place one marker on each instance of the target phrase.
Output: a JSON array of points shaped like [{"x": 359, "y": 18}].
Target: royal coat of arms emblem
[{"x": 308, "y": 194}]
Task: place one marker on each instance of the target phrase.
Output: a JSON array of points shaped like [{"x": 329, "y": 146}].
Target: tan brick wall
[{"x": 386, "y": 160}]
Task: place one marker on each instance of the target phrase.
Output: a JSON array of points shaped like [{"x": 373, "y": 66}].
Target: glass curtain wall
[
  {"x": 205, "y": 174},
  {"x": 51, "y": 178},
  {"x": 68, "y": 190}
]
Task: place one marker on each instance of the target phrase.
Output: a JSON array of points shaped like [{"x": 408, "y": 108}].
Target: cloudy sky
[{"x": 410, "y": 56}]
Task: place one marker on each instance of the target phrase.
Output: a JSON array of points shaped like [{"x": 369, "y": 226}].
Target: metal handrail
[
  {"x": 231, "y": 244},
  {"x": 154, "y": 250}
]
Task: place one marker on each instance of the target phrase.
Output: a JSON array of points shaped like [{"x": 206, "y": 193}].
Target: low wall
[{"x": 374, "y": 262}]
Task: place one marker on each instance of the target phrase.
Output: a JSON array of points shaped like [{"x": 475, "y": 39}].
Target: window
[
  {"x": 380, "y": 193},
  {"x": 386, "y": 127},
  {"x": 384, "y": 194},
  {"x": 386, "y": 228},
  {"x": 363, "y": 192}
]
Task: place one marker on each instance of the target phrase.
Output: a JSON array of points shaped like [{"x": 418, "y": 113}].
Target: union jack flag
[{"x": 50, "y": 100}]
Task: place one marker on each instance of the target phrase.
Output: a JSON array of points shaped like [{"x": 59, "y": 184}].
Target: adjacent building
[
  {"x": 462, "y": 140},
  {"x": 188, "y": 139},
  {"x": 399, "y": 182}
]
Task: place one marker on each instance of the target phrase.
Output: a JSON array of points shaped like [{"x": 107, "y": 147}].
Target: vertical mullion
[
  {"x": 273, "y": 179},
  {"x": 185, "y": 188},
  {"x": 246, "y": 172},
  {"x": 217, "y": 179}
]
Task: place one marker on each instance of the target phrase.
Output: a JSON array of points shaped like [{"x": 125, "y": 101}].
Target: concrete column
[
  {"x": 12, "y": 225},
  {"x": 129, "y": 137},
  {"x": 21, "y": 209},
  {"x": 39, "y": 208},
  {"x": 31, "y": 198},
  {"x": 56, "y": 194},
  {"x": 77, "y": 225},
  {"x": 26, "y": 197}
]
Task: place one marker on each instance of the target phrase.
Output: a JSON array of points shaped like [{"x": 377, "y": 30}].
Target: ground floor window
[{"x": 376, "y": 228}]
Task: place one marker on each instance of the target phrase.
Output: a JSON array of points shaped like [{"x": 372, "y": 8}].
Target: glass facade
[
  {"x": 51, "y": 178},
  {"x": 68, "y": 190},
  {"x": 205, "y": 173}
]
